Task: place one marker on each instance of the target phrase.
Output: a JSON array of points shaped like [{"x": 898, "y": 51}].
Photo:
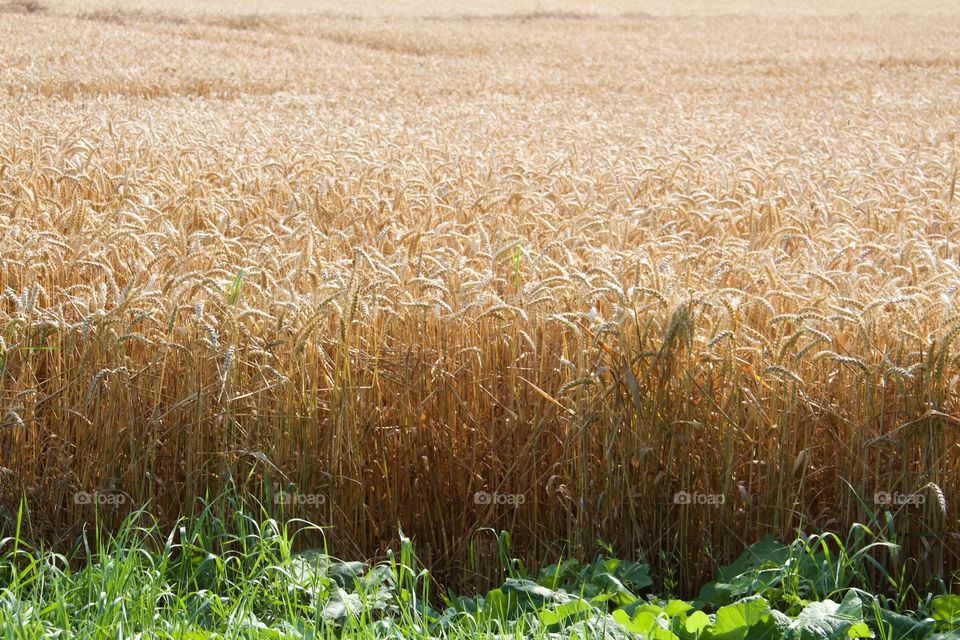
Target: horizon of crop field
[
  {"x": 668, "y": 276},
  {"x": 416, "y": 9}
]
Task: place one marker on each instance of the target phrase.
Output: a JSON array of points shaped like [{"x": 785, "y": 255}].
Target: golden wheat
[{"x": 593, "y": 259}]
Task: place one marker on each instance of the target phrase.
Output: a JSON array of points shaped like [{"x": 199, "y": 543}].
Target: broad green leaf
[
  {"x": 828, "y": 620},
  {"x": 894, "y": 625},
  {"x": 609, "y": 583},
  {"x": 733, "y": 621},
  {"x": 594, "y": 628},
  {"x": 555, "y": 575},
  {"x": 946, "y": 608},
  {"x": 676, "y": 607},
  {"x": 712, "y": 594},
  {"x": 634, "y": 575},
  {"x": 528, "y": 588},
  {"x": 775, "y": 627},
  {"x": 340, "y": 605},
  {"x": 623, "y": 618},
  {"x": 768, "y": 550},
  {"x": 634, "y": 608},
  {"x": 741, "y": 577},
  {"x": 663, "y": 634},
  {"x": 567, "y": 611},
  {"x": 851, "y": 606},
  {"x": 644, "y": 623},
  {"x": 345, "y": 573},
  {"x": 697, "y": 622},
  {"x": 526, "y": 595},
  {"x": 600, "y": 599},
  {"x": 463, "y": 604}
]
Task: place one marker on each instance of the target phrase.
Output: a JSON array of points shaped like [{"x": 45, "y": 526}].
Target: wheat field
[{"x": 592, "y": 255}]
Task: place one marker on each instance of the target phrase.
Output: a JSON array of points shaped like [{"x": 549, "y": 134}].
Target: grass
[
  {"x": 583, "y": 268},
  {"x": 229, "y": 574}
]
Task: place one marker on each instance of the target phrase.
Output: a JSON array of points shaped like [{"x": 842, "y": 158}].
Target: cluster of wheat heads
[{"x": 640, "y": 259}]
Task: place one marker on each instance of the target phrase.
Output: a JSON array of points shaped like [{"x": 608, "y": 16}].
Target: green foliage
[
  {"x": 811, "y": 568},
  {"x": 226, "y": 574},
  {"x": 945, "y": 610},
  {"x": 231, "y": 292}
]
